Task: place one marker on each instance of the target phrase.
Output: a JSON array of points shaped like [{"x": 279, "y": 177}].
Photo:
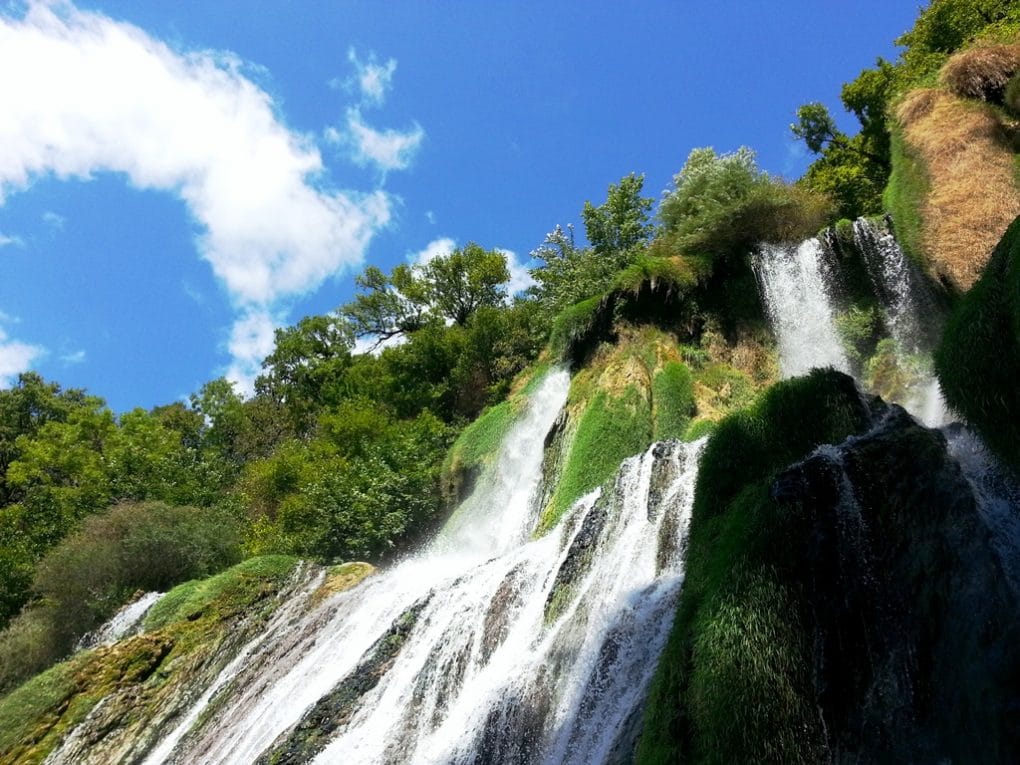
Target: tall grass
[{"x": 971, "y": 193}]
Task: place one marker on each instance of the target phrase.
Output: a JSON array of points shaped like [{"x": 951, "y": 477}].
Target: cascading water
[
  {"x": 910, "y": 314},
  {"x": 799, "y": 302},
  {"x": 489, "y": 646},
  {"x": 799, "y": 289}
]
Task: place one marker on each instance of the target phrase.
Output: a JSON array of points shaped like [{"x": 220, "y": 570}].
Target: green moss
[
  {"x": 224, "y": 591},
  {"x": 904, "y": 197},
  {"x": 190, "y": 634},
  {"x": 672, "y": 401},
  {"x": 732, "y": 684},
  {"x": 611, "y": 429},
  {"x": 697, "y": 429},
  {"x": 978, "y": 362},
  {"x": 572, "y": 326},
  {"x": 673, "y": 274},
  {"x": 24, "y": 712}
]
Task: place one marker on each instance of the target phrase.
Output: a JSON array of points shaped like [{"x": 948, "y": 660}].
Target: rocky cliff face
[{"x": 855, "y": 605}]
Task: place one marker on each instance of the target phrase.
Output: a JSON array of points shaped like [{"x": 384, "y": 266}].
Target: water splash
[
  {"x": 799, "y": 302},
  {"x": 122, "y": 624},
  {"x": 911, "y": 315},
  {"x": 522, "y": 650}
]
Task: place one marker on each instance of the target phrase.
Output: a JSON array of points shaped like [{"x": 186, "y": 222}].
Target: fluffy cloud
[
  {"x": 520, "y": 279},
  {"x": 95, "y": 95},
  {"x": 251, "y": 340},
  {"x": 434, "y": 249},
  {"x": 373, "y": 79},
  {"x": 15, "y": 358},
  {"x": 386, "y": 149}
]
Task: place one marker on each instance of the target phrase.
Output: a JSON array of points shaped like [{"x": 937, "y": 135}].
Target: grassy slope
[{"x": 183, "y": 632}]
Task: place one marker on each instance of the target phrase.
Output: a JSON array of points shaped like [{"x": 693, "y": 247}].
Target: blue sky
[{"x": 178, "y": 178}]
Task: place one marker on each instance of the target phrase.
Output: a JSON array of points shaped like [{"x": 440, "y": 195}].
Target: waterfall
[
  {"x": 122, "y": 624},
  {"x": 910, "y": 314},
  {"x": 488, "y": 646},
  {"x": 800, "y": 291},
  {"x": 798, "y": 298}
]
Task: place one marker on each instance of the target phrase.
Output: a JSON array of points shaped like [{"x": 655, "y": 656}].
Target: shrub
[
  {"x": 1011, "y": 98},
  {"x": 981, "y": 72},
  {"x": 84, "y": 579},
  {"x": 722, "y": 205}
]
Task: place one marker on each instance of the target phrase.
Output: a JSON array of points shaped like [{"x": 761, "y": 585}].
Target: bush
[
  {"x": 1011, "y": 98},
  {"x": 981, "y": 72},
  {"x": 722, "y": 206},
  {"x": 978, "y": 361},
  {"x": 83, "y": 580}
]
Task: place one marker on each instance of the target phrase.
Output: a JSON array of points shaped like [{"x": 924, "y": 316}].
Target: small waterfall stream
[
  {"x": 799, "y": 302},
  {"x": 512, "y": 649},
  {"x": 800, "y": 293}
]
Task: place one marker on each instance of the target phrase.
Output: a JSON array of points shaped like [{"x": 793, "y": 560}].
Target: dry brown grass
[
  {"x": 981, "y": 72},
  {"x": 972, "y": 195}
]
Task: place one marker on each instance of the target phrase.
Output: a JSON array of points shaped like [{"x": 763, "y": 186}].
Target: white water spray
[
  {"x": 521, "y": 651},
  {"x": 799, "y": 304},
  {"x": 910, "y": 314}
]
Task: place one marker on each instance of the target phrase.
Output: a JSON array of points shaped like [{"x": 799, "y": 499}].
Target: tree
[
  {"x": 449, "y": 287},
  {"x": 621, "y": 222},
  {"x": 460, "y": 283}
]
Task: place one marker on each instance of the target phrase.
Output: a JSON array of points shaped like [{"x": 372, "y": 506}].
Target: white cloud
[
  {"x": 15, "y": 358},
  {"x": 73, "y": 358},
  {"x": 372, "y": 78},
  {"x": 251, "y": 340},
  {"x": 11, "y": 241},
  {"x": 386, "y": 149},
  {"x": 53, "y": 220},
  {"x": 95, "y": 95},
  {"x": 520, "y": 279},
  {"x": 434, "y": 249}
]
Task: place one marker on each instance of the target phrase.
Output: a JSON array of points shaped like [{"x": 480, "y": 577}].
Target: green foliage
[
  {"x": 978, "y": 362},
  {"x": 83, "y": 580},
  {"x": 722, "y": 206},
  {"x": 366, "y": 481},
  {"x": 904, "y": 198},
  {"x": 859, "y": 328},
  {"x": 610, "y": 429},
  {"x": 462, "y": 282},
  {"x": 892, "y": 373},
  {"x": 1011, "y": 97},
  {"x": 733, "y": 684},
  {"x": 673, "y": 401},
  {"x": 306, "y": 369},
  {"x": 573, "y": 325},
  {"x": 449, "y": 286},
  {"x": 621, "y": 222},
  {"x": 854, "y": 170}
]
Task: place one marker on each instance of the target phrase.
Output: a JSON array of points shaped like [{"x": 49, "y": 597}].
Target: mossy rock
[
  {"x": 730, "y": 685},
  {"x": 191, "y": 634},
  {"x": 628, "y": 395},
  {"x": 341, "y": 578},
  {"x": 978, "y": 361}
]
